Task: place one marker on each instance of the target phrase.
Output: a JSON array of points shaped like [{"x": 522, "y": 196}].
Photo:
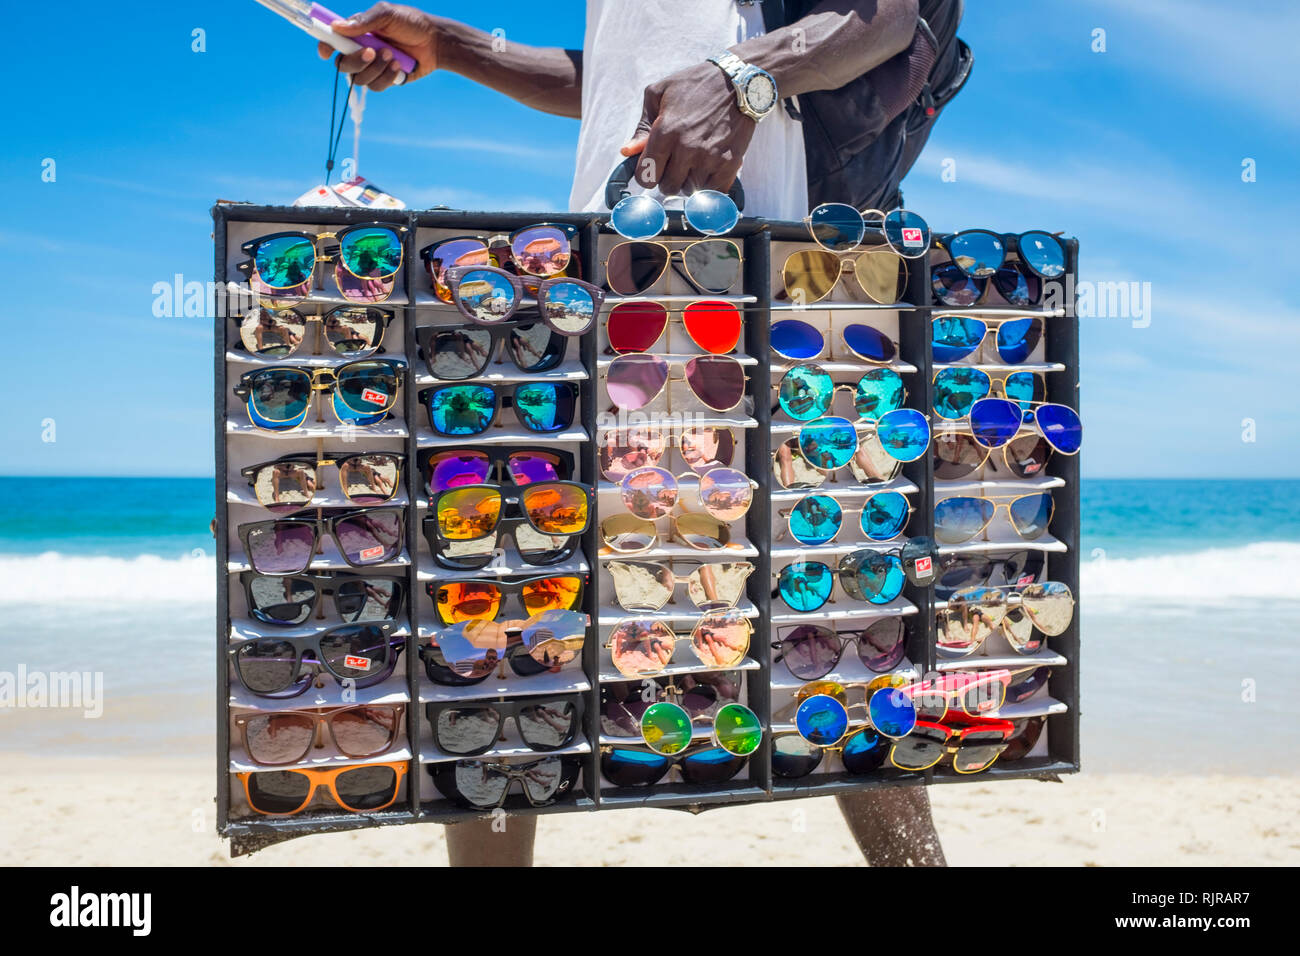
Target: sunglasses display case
[{"x": 687, "y": 379}]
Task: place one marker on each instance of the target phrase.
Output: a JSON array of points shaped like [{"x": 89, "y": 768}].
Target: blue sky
[{"x": 1137, "y": 151}]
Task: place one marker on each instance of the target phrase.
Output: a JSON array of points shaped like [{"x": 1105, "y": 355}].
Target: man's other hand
[
  {"x": 410, "y": 30},
  {"x": 692, "y": 133}
]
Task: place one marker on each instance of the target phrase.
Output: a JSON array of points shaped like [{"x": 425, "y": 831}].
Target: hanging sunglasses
[
  {"x": 507, "y": 464},
  {"x": 822, "y": 712},
  {"x": 441, "y": 673},
  {"x": 973, "y": 744},
  {"x": 477, "y": 599},
  {"x": 667, "y": 728},
  {"x": 811, "y": 651},
  {"x": 624, "y": 703},
  {"x": 649, "y": 585},
  {"x": 472, "y": 728},
  {"x": 485, "y": 785},
  {"x": 817, "y": 519},
  {"x": 960, "y": 571},
  {"x": 955, "y": 289},
  {"x": 367, "y": 258},
  {"x": 364, "y": 537},
  {"x": 489, "y": 296},
  {"x": 862, "y": 751},
  {"x": 455, "y": 353},
  {"x": 958, "y": 387},
  {"x": 830, "y": 443},
  {"x": 973, "y": 614},
  {"x": 643, "y": 647},
  {"x": 959, "y": 518},
  {"x": 714, "y": 327},
  {"x": 474, "y": 649},
  {"x": 628, "y": 534},
  {"x": 274, "y": 739},
  {"x": 636, "y": 379},
  {"x": 652, "y": 493},
  {"x": 643, "y": 216},
  {"x": 349, "y": 331},
  {"x": 466, "y": 519},
  {"x": 979, "y": 253},
  {"x": 286, "y": 665},
  {"x": 995, "y": 421},
  {"x": 364, "y": 789},
  {"x": 544, "y": 250},
  {"x": 708, "y": 766},
  {"x": 709, "y": 266},
  {"x": 807, "y": 391},
  {"x": 865, "y": 574},
  {"x": 957, "y": 455},
  {"x": 702, "y": 449},
  {"x": 838, "y": 227},
  {"x": 456, "y": 411},
  {"x": 801, "y": 341},
  {"x": 292, "y": 482},
  {"x": 364, "y": 392},
  {"x": 955, "y": 337},
  {"x": 288, "y": 601},
  {"x": 811, "y": 275},
  {"x": 869, "y": 466}
]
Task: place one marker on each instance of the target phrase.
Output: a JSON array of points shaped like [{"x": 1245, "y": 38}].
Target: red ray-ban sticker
[
  {"x": 357, "y": 663},
  {"x": 376, "y": 552},
  {"x": 374, "y": 396},
  {"x": 912, "y": 238},
  {"x": 923, "y": 567},
  {"x": 1024, "y": 579}
]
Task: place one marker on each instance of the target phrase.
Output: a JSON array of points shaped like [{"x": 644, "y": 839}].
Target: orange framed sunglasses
[{"x": 363, "y": 788}]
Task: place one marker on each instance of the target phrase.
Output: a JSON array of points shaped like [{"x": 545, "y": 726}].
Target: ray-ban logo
[{"x": 74, "y": 908}]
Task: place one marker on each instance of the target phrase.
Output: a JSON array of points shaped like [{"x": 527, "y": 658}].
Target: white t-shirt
[{"x": 630, "y": 44}]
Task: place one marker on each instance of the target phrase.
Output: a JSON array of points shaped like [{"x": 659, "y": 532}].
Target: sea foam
[
  {"x": 1264, "y": 569},
  {"x": 63, "y": 579}
]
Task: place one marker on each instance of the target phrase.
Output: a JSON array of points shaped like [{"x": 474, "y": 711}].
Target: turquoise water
[{"x": 122, "y": 517}]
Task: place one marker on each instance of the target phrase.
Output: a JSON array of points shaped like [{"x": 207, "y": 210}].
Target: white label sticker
[
  {"x": 376, "y": 552},
  {"x": 912, "y": 238},
  {"x": 357, "y": 663},
  {"x": 374, "y": 396}
]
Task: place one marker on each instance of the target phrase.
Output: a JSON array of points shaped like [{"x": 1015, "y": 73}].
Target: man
[{"x": 815, "y": 109}]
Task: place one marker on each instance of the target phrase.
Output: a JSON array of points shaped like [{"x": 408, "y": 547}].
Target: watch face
[{"x": 760, "y": 93}]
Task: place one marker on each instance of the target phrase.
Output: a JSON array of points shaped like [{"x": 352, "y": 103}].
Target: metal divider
[{"x": 590, "y": 256}]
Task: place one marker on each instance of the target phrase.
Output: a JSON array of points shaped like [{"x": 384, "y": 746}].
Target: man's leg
[
  {"x": 893, "y": 826},
  {"x": 474, "y": 843}
]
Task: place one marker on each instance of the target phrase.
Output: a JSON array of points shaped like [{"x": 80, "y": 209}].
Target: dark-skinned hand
[
  {"x": 692, "y": 134},
  {"x": 410, "y": 30}
]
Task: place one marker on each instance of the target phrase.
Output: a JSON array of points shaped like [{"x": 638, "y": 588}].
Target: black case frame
[{"x": 757, "y": 785}]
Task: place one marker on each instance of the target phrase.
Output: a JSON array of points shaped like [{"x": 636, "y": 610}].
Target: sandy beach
[{"x": 141, "y": 811}]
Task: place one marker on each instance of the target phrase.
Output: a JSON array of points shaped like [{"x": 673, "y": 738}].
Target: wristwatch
[{"x": 755, "y": 88}]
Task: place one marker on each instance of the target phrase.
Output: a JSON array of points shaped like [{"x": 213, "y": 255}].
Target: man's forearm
[
  {"x": 545, "y": 78},
  {"x": 837, "y": 42}
]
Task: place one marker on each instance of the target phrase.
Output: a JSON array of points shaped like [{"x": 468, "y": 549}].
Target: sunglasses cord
[{"x": 336, "y": 137}]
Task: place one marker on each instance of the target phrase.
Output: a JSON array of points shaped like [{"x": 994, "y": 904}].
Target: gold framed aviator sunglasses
[
  {"x": 711, "y": 266},
  {"x": 958, "y": 518},
  {"x": 701, "y": 448},
  {"x": 810, "y": 275},
  {"x": 628, "y": 534}
]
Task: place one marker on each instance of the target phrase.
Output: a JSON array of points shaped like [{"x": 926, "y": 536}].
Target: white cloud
[{"x": 500, "y": 148}]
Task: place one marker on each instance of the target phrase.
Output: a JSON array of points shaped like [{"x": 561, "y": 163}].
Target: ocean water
[{"x": 1190, "y": 590}]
